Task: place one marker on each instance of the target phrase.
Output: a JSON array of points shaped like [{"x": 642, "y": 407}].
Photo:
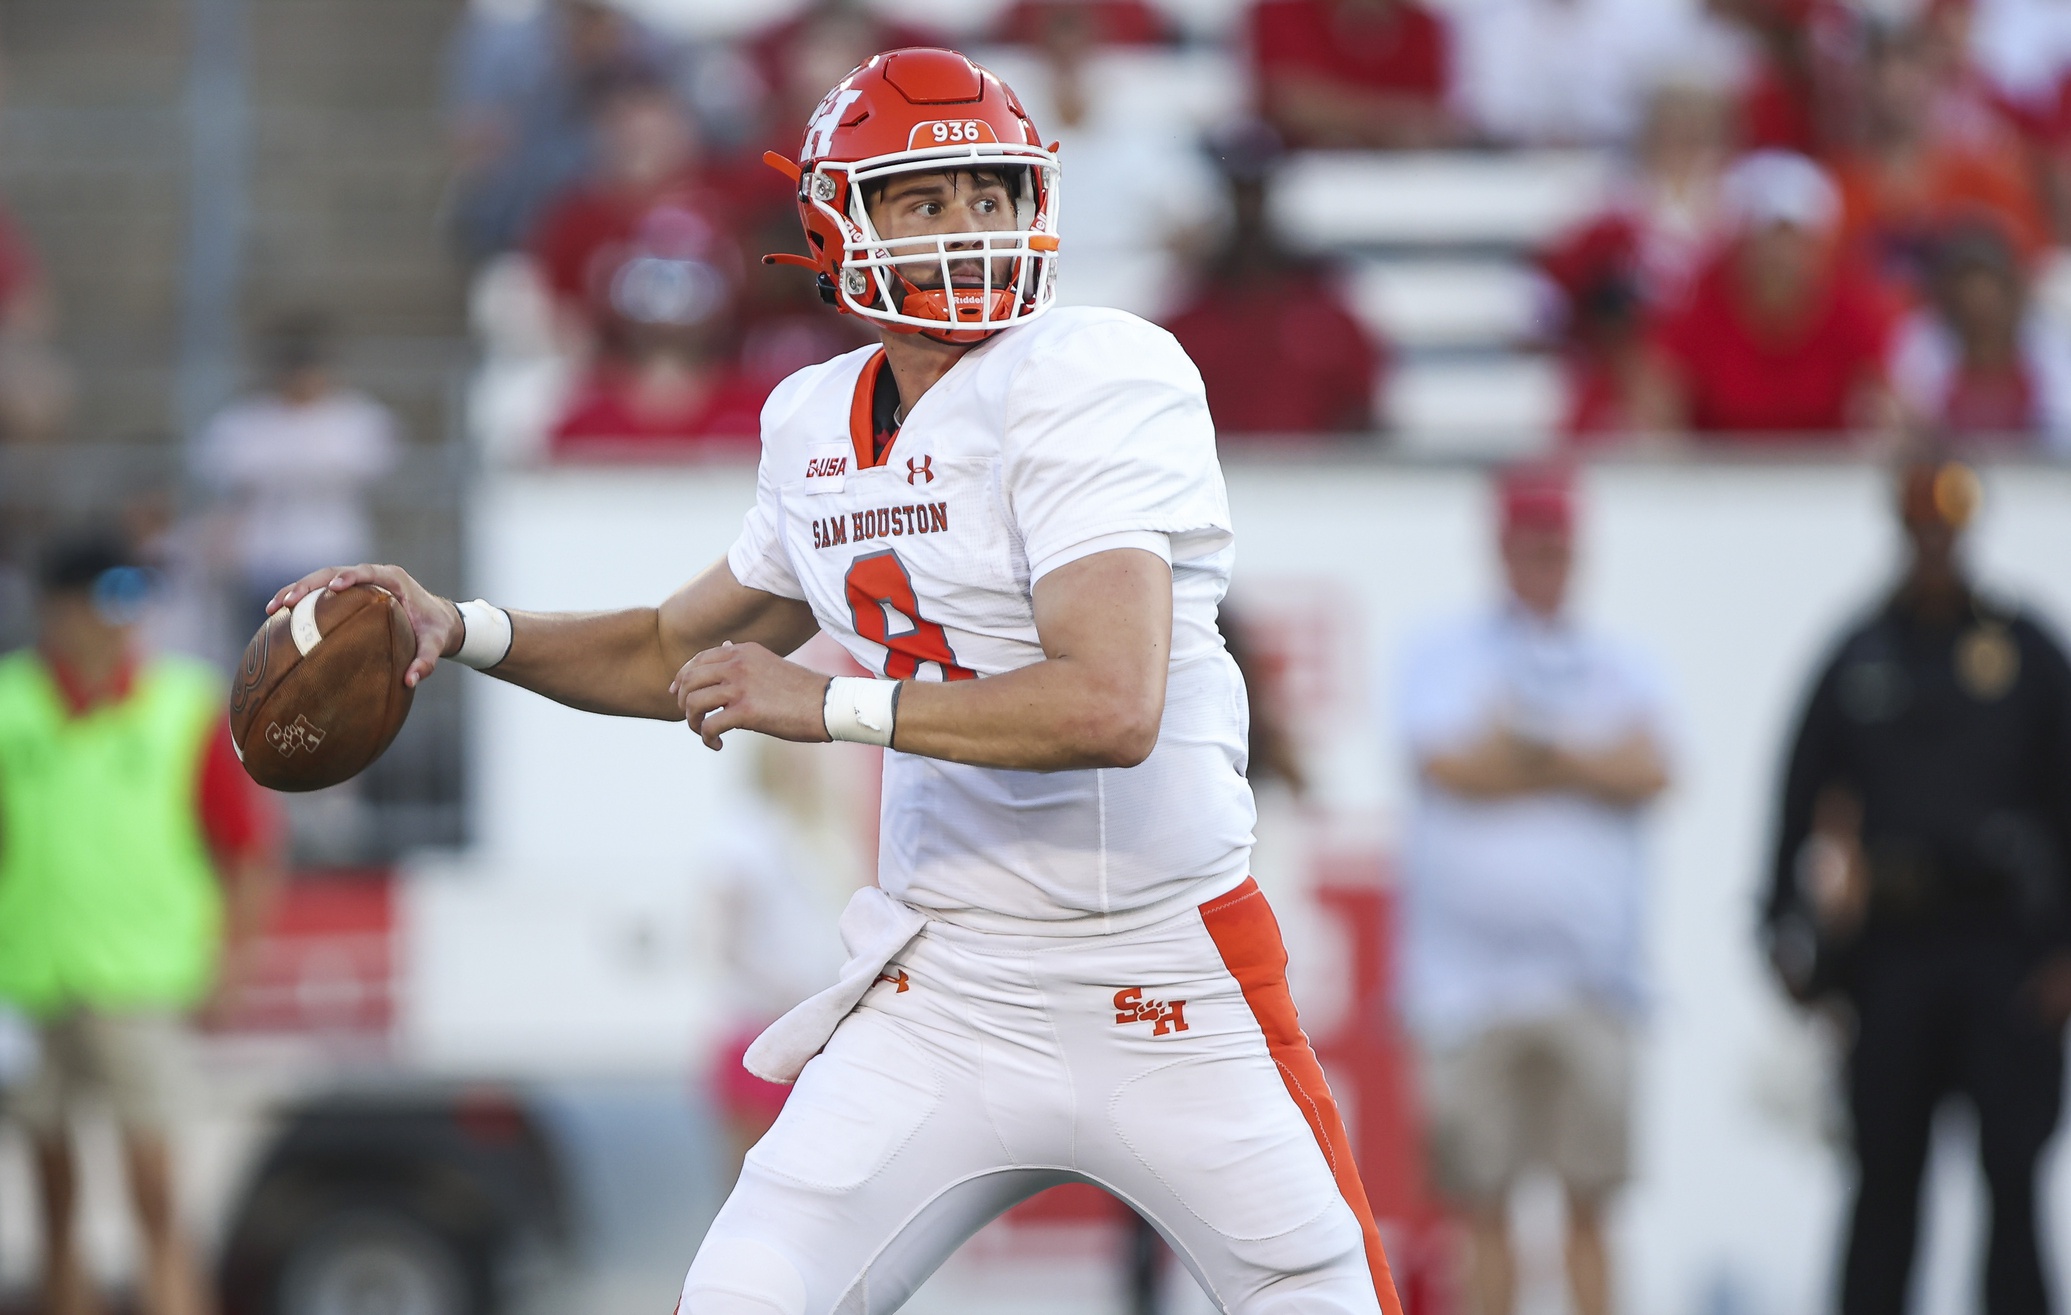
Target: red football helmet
[{"x": 915, "y": 111}]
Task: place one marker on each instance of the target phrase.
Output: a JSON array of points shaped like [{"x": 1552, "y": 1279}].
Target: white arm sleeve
[{"x": 1150, "y": 541}]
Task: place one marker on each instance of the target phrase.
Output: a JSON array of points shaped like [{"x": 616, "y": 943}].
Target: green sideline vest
[{"x": 108, "y": 898}]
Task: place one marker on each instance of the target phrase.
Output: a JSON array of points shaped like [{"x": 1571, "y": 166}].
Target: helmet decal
[{"x": 819, "y": 134}]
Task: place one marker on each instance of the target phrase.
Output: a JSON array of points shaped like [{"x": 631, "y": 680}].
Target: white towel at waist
[{"x": 874, "y": 928}]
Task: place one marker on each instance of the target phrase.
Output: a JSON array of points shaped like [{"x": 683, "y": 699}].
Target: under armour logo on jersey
[
  {"x": 897, "y": 977},
  {"x": 922, "y": 470},
  {"x": 301, "y": 735},
  {"x": 819, "y": 134},
  {"x": 1163, "y": 1015}
]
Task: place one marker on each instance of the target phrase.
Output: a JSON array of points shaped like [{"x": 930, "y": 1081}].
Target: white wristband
[
  {"x": 485, "y": 635},
  {"x": 860, "y": 710}
]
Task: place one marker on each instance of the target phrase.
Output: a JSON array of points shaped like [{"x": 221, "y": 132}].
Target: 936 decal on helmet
[{"x": 915, "y": 111}]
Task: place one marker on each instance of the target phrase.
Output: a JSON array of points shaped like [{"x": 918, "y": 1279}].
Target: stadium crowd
[{"x": 1828, "y": 216}]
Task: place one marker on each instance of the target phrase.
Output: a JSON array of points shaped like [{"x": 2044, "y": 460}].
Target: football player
[{"x": 1014, "y": 515}]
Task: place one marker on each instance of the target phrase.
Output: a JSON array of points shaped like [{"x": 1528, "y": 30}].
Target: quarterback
[{"x": 1014, "y": 516}]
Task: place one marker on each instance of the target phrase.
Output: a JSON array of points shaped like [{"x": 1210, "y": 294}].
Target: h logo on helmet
[{"x": 819, "y": 134}]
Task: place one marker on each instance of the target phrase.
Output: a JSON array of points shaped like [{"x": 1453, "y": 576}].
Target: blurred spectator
[
  {"x": 1537, "y": 742},
  {"x": 1927, "y": 157},
  {"x": 675, "y": 386},
  {"x": 35, "y": 388},
  {"x": 1602, "y": 329},
  {"x": 293, "y": 464},
  {"x": 1277, "y": 346},
  {"x": 1355, "y": 73},
  {"x": 1141, "y": 193},
  {"x": 1978, "y": 362},
  {"x": 784, "y": 326},
  {"x": 1922, "y": 875},
  {"x": 1781, "y": 338},
  {"x": 1797, "y": 83},
  {"x": 1565, "y": 72},
  {"x": 523, "y": 85},
  {"x": 139, "y": 859},
  {"x": 189, "y": 612},
  {"x": 1673, "y": 194},
  {"x": 642, "y": 199},
  {"x": 1965, "y": 106},
  {"x": 2022, "y": 51},
  {"x": 1638, "y": 258},
  {"x": 647, "y": 280},
  {"x": 799, "y": 58}
]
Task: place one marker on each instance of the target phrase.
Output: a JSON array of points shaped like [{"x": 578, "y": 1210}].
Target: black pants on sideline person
[{"x": 1939, "y": 1014}]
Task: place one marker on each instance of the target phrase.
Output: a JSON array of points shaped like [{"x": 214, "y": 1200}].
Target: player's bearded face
[{"x": 954, "y": 201}]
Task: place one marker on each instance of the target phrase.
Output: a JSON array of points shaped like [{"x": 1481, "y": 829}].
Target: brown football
[{"x": 320, "y": 693}]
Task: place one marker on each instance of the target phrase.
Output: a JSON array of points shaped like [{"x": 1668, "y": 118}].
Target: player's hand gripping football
[
  {"x": 746, "y": 686},
  {"x": 434, "y": 620}
]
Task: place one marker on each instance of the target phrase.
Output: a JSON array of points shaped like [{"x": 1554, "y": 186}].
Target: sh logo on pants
[{"x": 1164, "y": 1016}]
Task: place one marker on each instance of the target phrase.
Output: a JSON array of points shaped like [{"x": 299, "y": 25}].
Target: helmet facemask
[{"x": 954, "y": 287}]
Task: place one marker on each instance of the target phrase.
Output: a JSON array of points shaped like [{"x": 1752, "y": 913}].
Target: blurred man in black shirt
[{"x": 1923, "y": 876}]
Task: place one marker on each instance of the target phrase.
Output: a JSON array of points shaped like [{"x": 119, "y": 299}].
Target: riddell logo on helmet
[{"x": 1165, "y": 1016}]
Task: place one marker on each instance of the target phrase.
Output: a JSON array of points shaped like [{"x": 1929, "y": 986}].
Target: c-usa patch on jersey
[{"x": 827, "y": 467}]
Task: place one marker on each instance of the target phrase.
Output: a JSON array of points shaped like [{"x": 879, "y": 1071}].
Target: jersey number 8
[{"x": 884, "y": 610}]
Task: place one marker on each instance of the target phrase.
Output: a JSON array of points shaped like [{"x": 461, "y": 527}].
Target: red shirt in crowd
[
  {"x": 587, "y": 233},
  {"x": 1796, "y": 78},
  {"x": 1597, "y": 269},
  {"x": 1596, "y": 409},
  {"x": 1281, "y": 355},
  {"x": 1738, "y": 379},
  {"x": 237, "y": 818},
  {"x": 610, "y": 417},
  {"x": 1406, "y": 51}
]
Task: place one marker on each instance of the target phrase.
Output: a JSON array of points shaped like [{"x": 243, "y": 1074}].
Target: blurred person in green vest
[{"x": 135, "y": 865}]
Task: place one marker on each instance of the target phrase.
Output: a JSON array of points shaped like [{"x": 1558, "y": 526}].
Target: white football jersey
[{"x": 1084, "y": 430}]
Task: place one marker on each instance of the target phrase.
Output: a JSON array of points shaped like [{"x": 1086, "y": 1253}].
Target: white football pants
[{"x": 1164, "y": 1065}]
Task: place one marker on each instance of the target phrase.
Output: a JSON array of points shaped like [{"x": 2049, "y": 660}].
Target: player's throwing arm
[{"x": 1095, "y": 700}]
